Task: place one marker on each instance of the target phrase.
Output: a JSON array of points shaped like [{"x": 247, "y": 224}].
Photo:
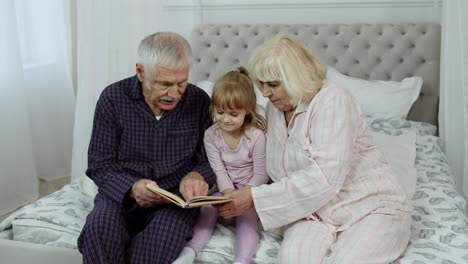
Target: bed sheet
[
  {"x": 54, "y": 220},
  {"x": 439, "y": 227},
  {"x": 439, "y": 232}
]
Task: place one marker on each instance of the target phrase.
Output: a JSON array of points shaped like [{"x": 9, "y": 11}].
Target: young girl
[{"x": 235, "y": 146}]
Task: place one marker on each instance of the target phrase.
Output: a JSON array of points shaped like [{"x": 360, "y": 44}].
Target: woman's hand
[{"x": 241, "y": 202}]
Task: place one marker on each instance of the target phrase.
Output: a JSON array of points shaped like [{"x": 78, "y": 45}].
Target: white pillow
[
  {"x": 380, "y": 99},
  {"x": 400, "y": 153},
  {"x": 87, "y": 186},
  {"x": 207, "y": 86}
]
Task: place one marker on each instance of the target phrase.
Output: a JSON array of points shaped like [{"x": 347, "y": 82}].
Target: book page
[
  {"x": 167, "y": 195},
  {"x": 193, "y": 202},
  {"x": 207, "y": 199},
  {"x": 201, "y": 202}
]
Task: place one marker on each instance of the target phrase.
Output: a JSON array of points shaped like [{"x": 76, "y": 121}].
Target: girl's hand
[
  {"x": 193, "y": 184},
  {"x": 241, "y": 202},
  {"x": 228, "y": 191}
]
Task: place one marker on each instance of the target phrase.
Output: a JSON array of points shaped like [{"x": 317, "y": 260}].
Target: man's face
[{"x": 163, "y": 92}]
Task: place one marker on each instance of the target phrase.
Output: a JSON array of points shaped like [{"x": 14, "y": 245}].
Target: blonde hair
[
  {"x": 287, "y": 59},
  {"x": 235, "y": 90}
]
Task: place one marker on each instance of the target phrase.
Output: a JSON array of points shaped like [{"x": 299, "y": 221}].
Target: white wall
[{"x": 182, "y": 15}]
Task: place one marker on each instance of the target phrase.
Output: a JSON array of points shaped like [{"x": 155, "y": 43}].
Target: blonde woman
[{"x": 333, "y": 194}]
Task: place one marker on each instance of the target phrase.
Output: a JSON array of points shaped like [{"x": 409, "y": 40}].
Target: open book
[{"x": 192, "y": 202}]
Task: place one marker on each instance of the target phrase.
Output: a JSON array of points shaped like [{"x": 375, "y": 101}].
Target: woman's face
[{"x": 277, "y": 95}]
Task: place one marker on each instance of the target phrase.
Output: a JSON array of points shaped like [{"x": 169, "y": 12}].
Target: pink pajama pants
[
  {"x": 376, "y": 238},
  {"x": 247, "y": 235}
]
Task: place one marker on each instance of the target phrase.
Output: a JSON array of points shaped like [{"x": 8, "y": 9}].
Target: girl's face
[{"x": 230, "y": 120}]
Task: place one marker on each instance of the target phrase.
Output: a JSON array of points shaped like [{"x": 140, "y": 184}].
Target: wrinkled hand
[
  {"x": 145, "y": 197},
  {"x": 241, "y": 202},
  {"x": 193, "y": 184}
]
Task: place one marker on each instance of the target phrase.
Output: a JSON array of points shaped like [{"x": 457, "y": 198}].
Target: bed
[{"x": 46, "y": 230}]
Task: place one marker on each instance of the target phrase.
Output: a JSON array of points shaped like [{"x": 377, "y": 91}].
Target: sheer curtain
[
  {"x": 109, "y": 32},
  {"x": 36, "y": 97},
  {"x": 453, "y": 113}
]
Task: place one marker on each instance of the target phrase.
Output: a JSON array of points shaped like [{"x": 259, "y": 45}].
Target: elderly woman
[{"x": 333, "y": 193}]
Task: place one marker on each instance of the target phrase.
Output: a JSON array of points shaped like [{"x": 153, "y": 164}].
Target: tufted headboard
[{"x": 366, "y": 51}]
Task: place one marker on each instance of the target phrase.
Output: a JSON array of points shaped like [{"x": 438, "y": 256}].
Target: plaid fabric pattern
[
  {"x": 127, "y": 144},
  {"x": 113, "y": 234}
]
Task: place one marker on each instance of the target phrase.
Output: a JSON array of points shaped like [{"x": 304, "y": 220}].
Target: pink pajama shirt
[{"x": 333, "y": 193}]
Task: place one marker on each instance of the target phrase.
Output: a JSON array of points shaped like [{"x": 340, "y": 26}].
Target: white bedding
[
  {"x": 439, "y": 232},
  {"x": 54, "y": 220}
]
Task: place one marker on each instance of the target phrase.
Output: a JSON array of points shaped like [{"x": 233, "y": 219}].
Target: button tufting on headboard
[{"x": 375, "y": 51}]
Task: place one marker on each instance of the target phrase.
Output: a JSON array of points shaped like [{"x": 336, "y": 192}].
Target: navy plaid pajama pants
[{"x": 114, "y": 234}]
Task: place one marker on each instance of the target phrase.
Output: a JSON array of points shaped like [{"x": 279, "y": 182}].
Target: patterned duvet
[{"x": 439, "y": 232}]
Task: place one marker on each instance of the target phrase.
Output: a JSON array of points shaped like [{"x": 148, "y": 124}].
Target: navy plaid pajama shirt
[{"x": 127, "y": 144}]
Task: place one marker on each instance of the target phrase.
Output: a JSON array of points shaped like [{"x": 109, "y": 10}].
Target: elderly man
[{"x": 147, "y": 129}]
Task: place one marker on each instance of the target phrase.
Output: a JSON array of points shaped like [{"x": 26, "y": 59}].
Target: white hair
[
  {"x": 167, "y": 49},
  {"x": 287, "y": 59}
]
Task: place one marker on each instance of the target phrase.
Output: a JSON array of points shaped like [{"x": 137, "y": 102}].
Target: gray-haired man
[{"x": 147, "y": 129}]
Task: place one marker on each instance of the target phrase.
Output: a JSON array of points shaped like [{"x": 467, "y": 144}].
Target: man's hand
[
  {"x": 242, "y": 201},
  {"x": 193, "y": 184},
  {"x": 145, "y": 197}
]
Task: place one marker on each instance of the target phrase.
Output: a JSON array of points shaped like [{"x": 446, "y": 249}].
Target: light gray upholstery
[{"x": 367, "y": 51}]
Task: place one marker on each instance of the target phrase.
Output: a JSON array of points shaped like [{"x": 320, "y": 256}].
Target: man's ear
[{"x": 140, "y": 71}]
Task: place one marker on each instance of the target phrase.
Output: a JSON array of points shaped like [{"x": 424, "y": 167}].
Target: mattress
[
  {"x": 439, "y": 230},
  {"x": 54, "y": 220}
]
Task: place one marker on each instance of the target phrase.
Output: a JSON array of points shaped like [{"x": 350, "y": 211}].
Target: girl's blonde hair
[
  {"x": 235, "y": 90},
  {"x": 287, "y": 59}
]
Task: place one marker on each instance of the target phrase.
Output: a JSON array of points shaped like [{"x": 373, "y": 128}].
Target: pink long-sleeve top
[
  {"x": 324, "y": 165},
  {"x": 244, "y": 165}
]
